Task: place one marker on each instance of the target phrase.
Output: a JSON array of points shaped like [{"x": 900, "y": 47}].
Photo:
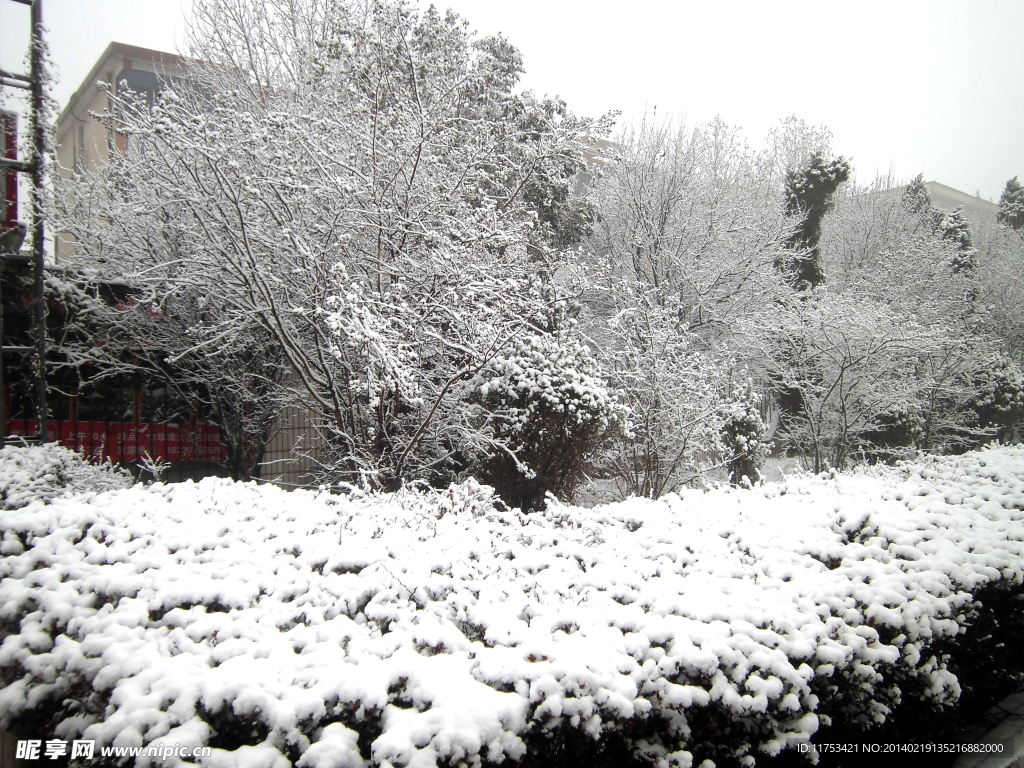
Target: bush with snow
[
  {"x": 552, "y": 410},
  {"x": 431, "y": 628},
  {"x": 743, "y": 432},
  {"x": 42, "y": 473},
  {"x": 999, "y": 403}
]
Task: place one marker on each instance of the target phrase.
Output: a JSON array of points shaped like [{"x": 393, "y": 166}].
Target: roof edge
[{"x": 112, "y": 50}]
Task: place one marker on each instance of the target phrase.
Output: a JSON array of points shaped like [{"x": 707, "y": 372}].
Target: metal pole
[
  {"x": 36, "y": 76},
  {"x": 3, "y": 398}
]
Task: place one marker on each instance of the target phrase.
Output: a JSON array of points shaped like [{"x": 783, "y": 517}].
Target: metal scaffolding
[{"x": 12, "y": 236}]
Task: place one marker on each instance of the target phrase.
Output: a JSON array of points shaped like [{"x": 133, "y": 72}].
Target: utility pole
[{"x": 34, "y": 85}]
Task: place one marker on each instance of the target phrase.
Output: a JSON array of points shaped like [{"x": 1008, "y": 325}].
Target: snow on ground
[{"x": 444, "y": 630}]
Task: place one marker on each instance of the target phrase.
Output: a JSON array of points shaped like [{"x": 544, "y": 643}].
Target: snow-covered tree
[
  {"x": 872, "y": 219},
  {"x": 690, "y": 213},
  {"x": 892, "y": 264},
  {"x": 359, "y": 185},
  {"x": 915, "y": 196},
  {"x": 1001, "y": 281},
  {"x": 743, "y": 434},
  {"x": 691, "y": 224},
  {"x": 880, "y": 240},
  {"x": 791, "y": 144},
  {"x": 999, "y": 403},
  {"x": 840, "y": 365},
  {"x": 870, "y": 223},
  {"x": 1011, "y": 205},
  {"x": 809, "y": 196},
  {"x": 955, "y": 228},
  {"x": 674, "y": 386}
]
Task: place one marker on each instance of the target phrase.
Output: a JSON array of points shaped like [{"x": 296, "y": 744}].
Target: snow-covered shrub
[
  {"x": 897, "y": 433},
  {"x": 466, "y": 498},
  {"x": 42, "y": 473},
  {"x": 552, "y": 410},
  {"x": 999, "y": 403},
  {"x": 743, "y": 432},
  {"x": 318, "y": 630}
]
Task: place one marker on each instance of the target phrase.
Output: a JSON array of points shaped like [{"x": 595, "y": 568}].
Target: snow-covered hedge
[
  {"x": 431, "y": 629},
  {"x": 41, "y": 473}
]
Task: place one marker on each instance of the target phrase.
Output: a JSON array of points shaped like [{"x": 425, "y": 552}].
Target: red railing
[{"x": 129, "y": 441}]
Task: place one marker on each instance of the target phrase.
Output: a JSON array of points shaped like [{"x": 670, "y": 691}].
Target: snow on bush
[
  {"x": 555, "y": 411},
  {"x": 41, "y": 473},
  {"x": 427, "y": 628},
  {"x": 743, "y": 431}
]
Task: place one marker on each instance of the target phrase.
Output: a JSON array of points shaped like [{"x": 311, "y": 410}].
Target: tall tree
[
  {"x": 809, "y": 196},
  {"x": 955, "y": 228},
  {"x": 691, "y": 223},
  {"x": 360, "y": 185},
  {"x": 915, "y": 196}
]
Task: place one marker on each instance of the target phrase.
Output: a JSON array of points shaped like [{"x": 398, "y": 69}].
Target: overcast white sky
[{"x": 934, "y": 86}]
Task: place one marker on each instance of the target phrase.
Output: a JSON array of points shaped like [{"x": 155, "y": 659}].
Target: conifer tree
[
  {"x": 953, "y": 227},
  {"x": 809, "y": 194},
  {"x": 1011, "y": 205},
  {"x": 915, "y": 196},
  {"x": 956, "y": 229}
]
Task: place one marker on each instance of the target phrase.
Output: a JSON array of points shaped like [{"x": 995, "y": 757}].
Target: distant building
[
  {"x": 947, "y": 199},
  {"x": 85, "y": 141}
]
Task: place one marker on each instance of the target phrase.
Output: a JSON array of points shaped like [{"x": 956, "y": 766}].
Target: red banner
[{"x": 127, "y": 441}]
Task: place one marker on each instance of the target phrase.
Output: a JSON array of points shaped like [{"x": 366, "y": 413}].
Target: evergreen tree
[
  {"x": 743, "y": 431},
  {"x": 956, "y": 229},
  {"x": 953, "y": 227},
  {"x": 1011, "y": 205},
  {"x": 915, "y": 196},
  {"x": 999, "y": 402},
  {"x": 809, "y": 194}
]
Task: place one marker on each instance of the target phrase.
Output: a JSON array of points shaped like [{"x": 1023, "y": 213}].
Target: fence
[{"x": 292, "y": 453}]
